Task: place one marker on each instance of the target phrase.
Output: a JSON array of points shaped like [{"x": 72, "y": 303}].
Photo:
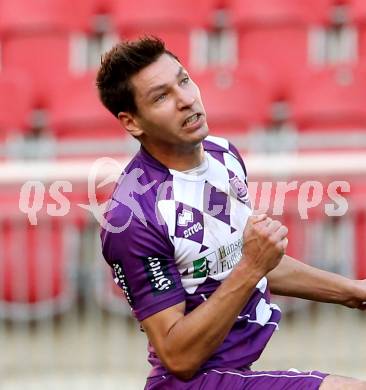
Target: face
[{"x": 170, "y": 109}]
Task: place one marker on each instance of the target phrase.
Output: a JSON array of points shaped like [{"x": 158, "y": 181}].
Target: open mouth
[{"x": 192, "y": 120}]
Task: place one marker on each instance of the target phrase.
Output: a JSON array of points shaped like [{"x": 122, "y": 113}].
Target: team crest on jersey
[
  {"x": 158, "y": 274},
  {"x": 240, "y": 189}
]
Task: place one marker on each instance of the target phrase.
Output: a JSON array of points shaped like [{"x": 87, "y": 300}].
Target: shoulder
[
  {"x": 131, "y": 215},
  {"x": 130, "y": 231},
  {"x": 142, "y": 173},
  {"x": 137, "y": 189}
]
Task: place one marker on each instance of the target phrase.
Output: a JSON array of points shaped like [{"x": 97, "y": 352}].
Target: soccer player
[{"x": 195, "y": 265}]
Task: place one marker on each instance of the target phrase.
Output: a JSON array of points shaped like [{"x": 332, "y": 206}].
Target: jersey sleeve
[{"x": 143, "y": 265}]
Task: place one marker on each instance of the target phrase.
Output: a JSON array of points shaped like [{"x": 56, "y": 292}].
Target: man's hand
[
  {"x": 357, "y": 295},
  {"x": 183, "y": 341},
  {"x": 265, "y": 243}
]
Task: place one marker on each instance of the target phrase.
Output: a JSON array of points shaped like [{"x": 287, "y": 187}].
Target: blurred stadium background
[{"x": 283, "y": 79}]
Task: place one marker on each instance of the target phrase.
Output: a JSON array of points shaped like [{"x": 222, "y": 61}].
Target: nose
[{"x": 185, "y": 99}]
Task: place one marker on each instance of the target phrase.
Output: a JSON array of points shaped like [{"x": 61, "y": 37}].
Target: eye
[
  {"x": 160, "y": 98},
  {"x": 185, "y": 80}
]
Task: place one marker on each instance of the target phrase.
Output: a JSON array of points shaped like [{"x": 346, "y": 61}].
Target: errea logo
[
  {"x": 185, "y": 217},
  {"x": 192, "y": 230}
]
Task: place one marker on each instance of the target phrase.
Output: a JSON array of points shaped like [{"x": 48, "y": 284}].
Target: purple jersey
[
  {"x": 175, "y": 236},
  {"x": 224, "y": 378}
]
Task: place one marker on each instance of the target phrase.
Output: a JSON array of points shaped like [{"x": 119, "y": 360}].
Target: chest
[{"x": 205, "y": 221}]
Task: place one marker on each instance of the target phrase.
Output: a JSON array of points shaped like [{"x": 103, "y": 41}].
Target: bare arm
[
  {"x": 296, "y": 279},
  {"x": 185, "y": 342},
  {"x": 182, "y": 342}
]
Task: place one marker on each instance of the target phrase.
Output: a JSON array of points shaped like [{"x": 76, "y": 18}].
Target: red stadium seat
[
  {"x": 170, "y": 20},
  {"x": 76, "y": 111},
  {"x": 37, "y": 16},
  {"x": 39, "y": 263},
  {"x": 331, "y": 99},
  {"x": 234, "y": 101},
  {"x": 15, "y": 103},
  {"x": 47, "y": 67},
  {"x": 276, "y": 33},
  {"x": 36, "y": 264},
  {"x": 154, "y": 13},
  {"x": 36, "y": 36},
  {"x": 279, "y": 12},
  {"x": 357, "y": 14},
  {"x": 357, "y": 11}
]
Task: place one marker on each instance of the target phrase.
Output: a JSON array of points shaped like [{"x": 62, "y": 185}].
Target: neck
[{"x": 179, "y": 159}]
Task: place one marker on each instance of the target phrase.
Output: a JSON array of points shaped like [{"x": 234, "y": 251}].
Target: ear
[{"x": 130, "y": 123}]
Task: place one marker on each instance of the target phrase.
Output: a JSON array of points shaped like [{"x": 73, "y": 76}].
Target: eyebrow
[{"x": 163, "y": 86}]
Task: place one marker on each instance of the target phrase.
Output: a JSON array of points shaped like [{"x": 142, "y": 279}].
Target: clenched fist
[{"x": 265, "y": 243}]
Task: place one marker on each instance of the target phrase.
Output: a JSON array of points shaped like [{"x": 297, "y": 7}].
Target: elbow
[
  {"x": 182, "y": 368},
  {"x": 182, "y": 373}
]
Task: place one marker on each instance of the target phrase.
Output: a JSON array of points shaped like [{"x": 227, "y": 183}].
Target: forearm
[
  {"x": 195, "y": 337},
  {"x": 185, "y": 341},
  {"x": 296, "y": 279}
]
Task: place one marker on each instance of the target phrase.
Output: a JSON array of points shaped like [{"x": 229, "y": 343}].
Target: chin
[
  {"x": 202, "y": 131},
  {"x": 197, "y": 137}
]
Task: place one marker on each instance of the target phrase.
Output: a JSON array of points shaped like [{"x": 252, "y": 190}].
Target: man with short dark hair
[{"x": 196, "y": 266}]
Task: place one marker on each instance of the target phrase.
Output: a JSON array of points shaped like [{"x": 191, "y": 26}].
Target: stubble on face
[{"x": 165, "y": 97}]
